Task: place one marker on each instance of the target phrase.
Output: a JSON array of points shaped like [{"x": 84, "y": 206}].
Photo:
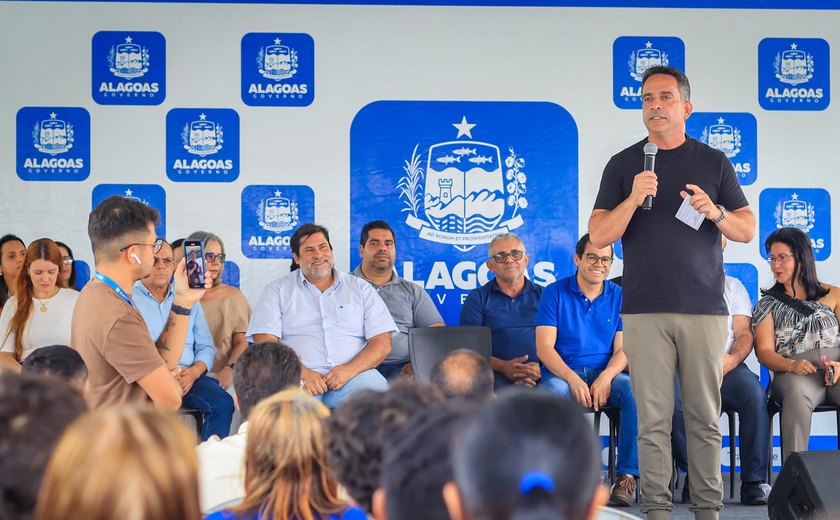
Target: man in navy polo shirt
[
  {"x": 508, "y": 305},
  {"x": 579, "y": 340}
]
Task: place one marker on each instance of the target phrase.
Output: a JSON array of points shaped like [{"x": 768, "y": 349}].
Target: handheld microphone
[{"x": 650, "y": 150}]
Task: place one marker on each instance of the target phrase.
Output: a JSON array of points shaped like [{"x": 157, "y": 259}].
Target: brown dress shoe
[{"x": 623, "y": 491}]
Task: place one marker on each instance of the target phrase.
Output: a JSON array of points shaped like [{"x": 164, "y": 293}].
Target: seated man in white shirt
[
  {"x": 335, "y": 322},
  {"x": 261, "y": 371}
]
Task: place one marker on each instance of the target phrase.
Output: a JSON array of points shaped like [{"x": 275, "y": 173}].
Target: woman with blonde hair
[
  {"x": 131, "y": 462},
  {"x": 226, "y": 309},
  {"x": 40, "y": 312},
  {"x": 286, "y": 471}
]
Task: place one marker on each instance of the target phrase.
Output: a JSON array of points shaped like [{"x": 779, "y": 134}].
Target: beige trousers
[{"x": 659, "y": 346}]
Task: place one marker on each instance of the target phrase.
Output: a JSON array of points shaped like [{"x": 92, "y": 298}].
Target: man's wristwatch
[
  {"x": 182, "y": 311},
  {"x": 230, "y": 365},
  {"x": 723, "y": 214}
]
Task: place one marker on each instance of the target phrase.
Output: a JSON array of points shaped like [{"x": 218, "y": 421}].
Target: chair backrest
[{"x": 429, "y": 345}]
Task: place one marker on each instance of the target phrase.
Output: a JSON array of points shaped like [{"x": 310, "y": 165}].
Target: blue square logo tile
[
  {"x": 633, "y": 55},
  {"x": 270, "y": 215},
  {"x": 807, "y": 209},
  {"x": 794, "y": 74},
  {"x": 278, "y": 69},
  {"x": 128, "y": 68},
  {"x": 202, "y": 145},
  {"x": 733, "y": 133},
  {"x": 53, "y": 144}
]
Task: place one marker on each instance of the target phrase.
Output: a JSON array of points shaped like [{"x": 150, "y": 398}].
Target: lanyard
[{"x": 113, "y": 285}]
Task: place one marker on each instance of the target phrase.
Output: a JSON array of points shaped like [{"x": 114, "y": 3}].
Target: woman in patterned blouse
[{"x": 795, "y": 330}]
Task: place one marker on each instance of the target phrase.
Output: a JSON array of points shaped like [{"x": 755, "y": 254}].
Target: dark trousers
[
  {"x": 214, "y": 403},
  {"x": 742, "y": 392}
]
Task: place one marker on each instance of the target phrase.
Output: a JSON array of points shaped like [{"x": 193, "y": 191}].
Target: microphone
[{"x": 650, "y": 150}]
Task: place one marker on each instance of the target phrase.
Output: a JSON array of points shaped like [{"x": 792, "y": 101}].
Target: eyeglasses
[
  {"x": 593, "y": 259},
  {"x": 67, "y": 260},
  {"x": 212, "y": 257},
  {"x": 782, "y": 258},
  {"x": 156, "y": 245},
  {"x": 501, "y": 258},
  {"x": 168, "y": 261}
]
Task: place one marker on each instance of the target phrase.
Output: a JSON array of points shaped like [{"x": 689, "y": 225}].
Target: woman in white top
[{"x": 40, "y": 312}]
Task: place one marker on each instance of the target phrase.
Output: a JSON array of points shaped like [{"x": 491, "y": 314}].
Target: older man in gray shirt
[{"x": 409, "y": 304}]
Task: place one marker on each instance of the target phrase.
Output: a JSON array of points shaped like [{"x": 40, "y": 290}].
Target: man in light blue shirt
[
  {"x": 335, "y": 322},
  {"x": 153, "y": 297}
]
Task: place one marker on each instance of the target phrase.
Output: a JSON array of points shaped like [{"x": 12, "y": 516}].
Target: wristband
[
  {"x": 181, "y": 311},
  {"x": 791, "y": 365}
]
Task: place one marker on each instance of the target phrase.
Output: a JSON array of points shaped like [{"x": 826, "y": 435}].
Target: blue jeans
[
  {"x": 742, "y": 392},
  {"x": 621, "y": 397},
  {"x": 391, "y": 371},
  {"x": 214, "y": 403},
  {"x": 367, "y": 380}
]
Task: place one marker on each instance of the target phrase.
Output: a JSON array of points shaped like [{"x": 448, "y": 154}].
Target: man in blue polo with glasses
[
  {"x": 580, "y": 343},
  {"x": 508, "y": 305}
]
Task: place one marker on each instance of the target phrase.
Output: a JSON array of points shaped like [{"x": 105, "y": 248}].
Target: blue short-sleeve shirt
[
  {"x": 511, "y": 320},
  {"x": 585, "y": 328}
]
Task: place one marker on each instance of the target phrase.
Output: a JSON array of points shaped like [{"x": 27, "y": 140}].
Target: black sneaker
[
  {"x": 686, "y": 493},
  {"x": 752, "y": 493}
]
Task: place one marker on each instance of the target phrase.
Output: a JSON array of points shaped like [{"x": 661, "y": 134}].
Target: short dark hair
[
  {"x": 263, "y": 370},
  {"x": 303, "y": 232},
  {"x": 34, "y": 412},
  {"x": 360, "y": 426},
  {"x": 417, "y": 464},
  {"x": 522, "y": 432},
  {"x": 580, "y": 247},
  {"x": 464, "y": 373},
  {"x": 118, "y": 219},
  {"x": 56, "y": 360},
  {"x": 375, "y": 224},
  {"x": 682, "y": 80},
  {"x": 804, "y": 268}
]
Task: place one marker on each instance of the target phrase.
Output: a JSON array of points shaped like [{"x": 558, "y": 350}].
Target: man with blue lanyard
[
  {"x": 580, "y": 342},
  {"x": 124, "y": 363},
  {"x": 153, "y": 297}
]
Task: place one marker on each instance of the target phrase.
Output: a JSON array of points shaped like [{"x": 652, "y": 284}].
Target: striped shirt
[{"x": 801, "y": 325}]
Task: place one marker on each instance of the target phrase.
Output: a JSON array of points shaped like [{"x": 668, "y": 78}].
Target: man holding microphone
[{"x": 673, "y": 310}]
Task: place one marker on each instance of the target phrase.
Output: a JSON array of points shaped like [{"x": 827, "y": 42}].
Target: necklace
[{"x": 43, "y": 303}]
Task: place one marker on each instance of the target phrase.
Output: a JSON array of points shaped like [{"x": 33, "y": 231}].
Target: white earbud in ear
[{"x": 137, "y": 258}]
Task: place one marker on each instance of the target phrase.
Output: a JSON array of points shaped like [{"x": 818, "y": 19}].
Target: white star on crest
[
  {"x": 202, "y": 117},
  {"x": 277, "y": 41},
  {"x": 277, "y": 193},
  {"x": 464, "y": 127},
  {"x": 128, "y": 193},
  {"x": 128, "y": 39},
  {"x": 52, "y": 115},
  {"x": 720, "y": 120},
  {"x": 648, "y": 45},
  {"x": 793, "y": 46},
  {"x": 795, "y": 196}
]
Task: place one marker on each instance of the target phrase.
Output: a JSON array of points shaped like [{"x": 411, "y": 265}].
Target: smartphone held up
[{"x": 196, "y": 268}]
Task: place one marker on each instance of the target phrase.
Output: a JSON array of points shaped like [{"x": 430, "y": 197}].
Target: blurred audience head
[
  {"x": 67, "y": 275},
  {"x": 34, "y": 411},
  {"x": 263, "y": 370},
  {"x": 123, "y": 230},
  {"x": 464, "y": 373},
  {"x": 360, "y": 426},
  {"x": 417, "y": 465},
  {"x": 125, "y": 462},
  {"x": 286, "y": 470},
  {"x": 526, "y": 455},
  {"x": 178, "y": 249},
  {"x": 58, "y": 361},
  {"x": 214, "y": 253}
]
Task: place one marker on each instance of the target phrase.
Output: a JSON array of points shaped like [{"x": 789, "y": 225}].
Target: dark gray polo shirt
[{"x": 410, "y": 306}]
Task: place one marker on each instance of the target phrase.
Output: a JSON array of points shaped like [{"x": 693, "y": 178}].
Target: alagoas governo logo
[
  {"x": 53, "y": 144},
  {"x": 794, "y": 74},
  {"x": 128, "y": 68},
  {"x": 278, "y": 69}
]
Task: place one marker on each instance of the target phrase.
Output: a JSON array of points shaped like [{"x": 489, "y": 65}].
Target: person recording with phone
[
  {"x": 154, "y": 297},
  {"x": 797, "y": 335},
  {"x": 673, "y": 309},
  {"x": 124, "y": 363}
]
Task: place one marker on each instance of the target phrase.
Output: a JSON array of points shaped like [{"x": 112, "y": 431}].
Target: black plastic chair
[
  {"x": 730, "y": 414},
  {"x": 429, "y": 345}
]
